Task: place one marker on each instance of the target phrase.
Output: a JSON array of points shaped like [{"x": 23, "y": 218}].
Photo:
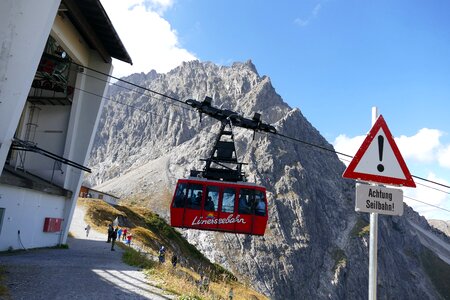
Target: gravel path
[{"x": 87, "y": 270}]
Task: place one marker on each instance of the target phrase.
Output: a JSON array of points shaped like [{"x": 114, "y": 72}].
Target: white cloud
[
  {"x": 158, "y": 5},
  {"x": 348, "y": 145},
  {"x": 422, "y": 147},
  {"x": 305, "y": 21},
  {"x": 434, "y": 196},
  {"x": 444, "y": 156},
  {"x": 425, "y": 146},
  {"x": 147, "y": 36}
]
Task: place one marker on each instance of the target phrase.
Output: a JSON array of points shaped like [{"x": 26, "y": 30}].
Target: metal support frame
[{"x": 223, "y": 163}]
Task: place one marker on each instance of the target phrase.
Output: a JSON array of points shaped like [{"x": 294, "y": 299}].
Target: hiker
[
  {"x": 124, "y": 232},
  {"x": 205, "y": 284},
  {"x": 129, "y": 239},
  {"x": 162, "y": 254},
  {"x": 119, "y": 234},
  {"x": 174, "y": 260},
  {"x": 88, "y": 228},
  {"x": 113, "y": 238},
  {"x": 110, "y": 231},
  {"x": 230, "y": 294}
]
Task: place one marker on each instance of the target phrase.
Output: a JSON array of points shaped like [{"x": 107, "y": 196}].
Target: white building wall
[
  {"x": 26, "y": 210},
  {"x": 110, "y": 199},
  {"x": 51, "y": 122},
  {"x": 24, "y": 28},
  {"x": 85, "y": 115}
]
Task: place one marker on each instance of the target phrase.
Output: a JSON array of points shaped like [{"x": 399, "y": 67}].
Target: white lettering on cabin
[{"x": 213, "y": 220}]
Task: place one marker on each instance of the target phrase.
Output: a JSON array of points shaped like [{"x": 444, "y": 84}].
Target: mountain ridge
[{"x": 315, "y": 244}]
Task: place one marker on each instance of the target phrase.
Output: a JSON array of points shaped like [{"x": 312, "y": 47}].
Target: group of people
[
  {"x": 162, "y": 257},
  {"x": 118, "y": 233}
]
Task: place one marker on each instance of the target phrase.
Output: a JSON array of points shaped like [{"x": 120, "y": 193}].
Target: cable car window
[
  {"x": 180, "y": 195},
  {"x": 195, "y": 194},
  {"x": 260, "y": 204},
  {"x": 212, "y": 198},
  {"x": 246, "y": 200},
  {"x": 228, "y": 200}
]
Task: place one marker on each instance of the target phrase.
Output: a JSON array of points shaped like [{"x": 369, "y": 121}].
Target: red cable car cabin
[
  {"x": 218, "y": 198},
  {"x": 236, "y": 207}
]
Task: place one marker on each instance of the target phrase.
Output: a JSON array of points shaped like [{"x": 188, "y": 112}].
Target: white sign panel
[{"x": 378, "y": 199}]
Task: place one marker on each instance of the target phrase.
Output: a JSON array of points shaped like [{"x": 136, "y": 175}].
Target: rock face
[
  {"x": 443, "y": 226},
  {"x": 315, "y": 246}
]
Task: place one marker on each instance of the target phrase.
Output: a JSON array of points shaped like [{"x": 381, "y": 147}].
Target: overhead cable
[{"x": 180, "y": 101}]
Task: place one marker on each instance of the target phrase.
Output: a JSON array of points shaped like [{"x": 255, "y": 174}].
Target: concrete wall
[
  {"x": 24, "y": 28},
  {"x": 26, "y": 210},
  {"x": 50, "y": 134},
  {"x": 84, "y": 118},
  {"x": 105, "y": 197}
]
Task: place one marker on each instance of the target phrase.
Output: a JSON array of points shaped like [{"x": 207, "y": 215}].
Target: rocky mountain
[
  {"x": 316, "y": 245},
  {"x": 443, "y": 226}
]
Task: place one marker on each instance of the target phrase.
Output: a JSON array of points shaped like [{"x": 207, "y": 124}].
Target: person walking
[
  {"x": 129, "y": 236},
  {"x": 124, "y": 232},
  {"x": 174, "y": 260},
  {"x": 88, "y": 228},
  {"x": 230, "y": 294},
  {"x": 119, "y": 234},
  {"x": 162, "y": 254},
  {"x": 113, "y": 238},
  {"x": 110, "y": 231}
]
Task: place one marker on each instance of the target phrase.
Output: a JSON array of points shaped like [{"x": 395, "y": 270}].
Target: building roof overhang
[{"x": 94, "y": 25}]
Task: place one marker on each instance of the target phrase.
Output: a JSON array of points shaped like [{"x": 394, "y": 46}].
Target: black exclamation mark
[{"x": 380, "y": 167}]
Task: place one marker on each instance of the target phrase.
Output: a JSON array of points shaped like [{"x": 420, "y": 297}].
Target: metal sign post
[
  {"x": 379, "y": 161},
  {"x": 373, "y": 240},
  {"x": 373, "y": 256}
]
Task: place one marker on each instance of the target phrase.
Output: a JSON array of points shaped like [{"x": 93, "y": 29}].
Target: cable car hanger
[{"x": 219, "y": 165}]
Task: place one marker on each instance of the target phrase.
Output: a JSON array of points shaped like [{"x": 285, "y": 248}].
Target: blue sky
[{"x": 333, "y": 60}]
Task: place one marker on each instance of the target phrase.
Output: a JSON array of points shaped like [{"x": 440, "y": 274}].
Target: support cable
[{"x": 268, "y": 131}]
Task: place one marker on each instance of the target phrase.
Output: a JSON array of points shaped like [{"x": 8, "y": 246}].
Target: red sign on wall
[{"x": 52, "y": 224}]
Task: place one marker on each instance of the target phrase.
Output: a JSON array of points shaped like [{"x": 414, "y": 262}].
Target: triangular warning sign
[{"x": 379, "y": 160}]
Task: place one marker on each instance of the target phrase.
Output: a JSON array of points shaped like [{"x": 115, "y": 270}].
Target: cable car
[
  {"x": 218, "y": 198},
  {"x": 219, "y": 206}
]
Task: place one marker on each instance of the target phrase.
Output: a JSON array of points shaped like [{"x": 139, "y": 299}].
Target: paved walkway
[{"x": 87, "y": 270}]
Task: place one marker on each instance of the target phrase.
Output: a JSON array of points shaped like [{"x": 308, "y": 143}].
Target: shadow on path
[{"x": 87, "y": 270}]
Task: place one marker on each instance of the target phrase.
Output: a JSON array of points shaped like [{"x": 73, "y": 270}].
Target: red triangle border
[{"x": 350, "y": 171}]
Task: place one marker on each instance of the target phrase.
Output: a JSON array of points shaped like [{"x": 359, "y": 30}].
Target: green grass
[
  {"x": 340, "y": 259},
  {"x": 151, "y": 231},
  {"x": 136, "y": 259},
  {"x": 61, "y": 246},
  {"x": 361, "y": 228},
  {"x": 438, "y": 271},
  {"x": 4, "y": 292},
  {"x": 166, "y": 234}
]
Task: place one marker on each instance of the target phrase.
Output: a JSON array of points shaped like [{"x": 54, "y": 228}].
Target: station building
[{"x": 50, "y": 103}]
